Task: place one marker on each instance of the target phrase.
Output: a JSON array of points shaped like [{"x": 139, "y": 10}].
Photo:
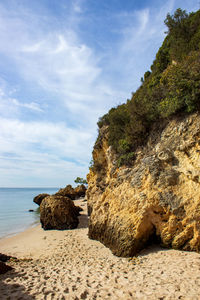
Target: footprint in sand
[{"x": 84, "y": 295}]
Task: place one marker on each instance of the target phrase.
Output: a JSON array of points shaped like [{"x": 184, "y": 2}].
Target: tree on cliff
[{"x": 80, "y": 180}]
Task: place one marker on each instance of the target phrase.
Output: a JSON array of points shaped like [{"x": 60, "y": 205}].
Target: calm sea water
[{"x": 14, "y": 209}]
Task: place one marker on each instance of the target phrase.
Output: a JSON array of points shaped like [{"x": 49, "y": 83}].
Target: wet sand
[{"x": 67, "y": 265}]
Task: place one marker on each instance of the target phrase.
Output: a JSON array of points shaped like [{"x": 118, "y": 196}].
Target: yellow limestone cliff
[{"x": 156, "y": 199}]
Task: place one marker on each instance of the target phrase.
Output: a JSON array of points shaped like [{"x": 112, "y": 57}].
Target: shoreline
[
  {"x": 9, "y": 243},
  {"x": 68, "y": 265},
  {"x": 10, "y": 235},
  {"x": 16, "y": 203},
  {"x": 25, "y": 227},
  {"x": 29, "y": 241}
]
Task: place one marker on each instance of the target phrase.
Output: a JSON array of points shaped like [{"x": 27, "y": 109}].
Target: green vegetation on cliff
[
  {"x": 171, "y": 87},
  {"x": 80, "y": 180}
]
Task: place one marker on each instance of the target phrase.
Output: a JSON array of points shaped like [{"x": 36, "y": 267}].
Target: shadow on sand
[
  {"x": 12, "y": 290},
  {"x": 83, "y": 221},
  {"x": 153, "y": 248}
]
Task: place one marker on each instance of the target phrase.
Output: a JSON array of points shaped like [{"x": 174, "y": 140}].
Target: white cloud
[
  {"x": 77, "y": 6},
  {"x": 39, "y": 170},
  {"x": 32, "y": 105},
  {"x": 143, "y": 19},
  {"x": 10, "y": 106},
  {"x": 50, "y": 151},
  {"x": 52, "y": 56},
  {"x": 50, "y": 137},
  {"x": 57, "y": 62},
  {"x": 61, "y": 64},
  {"x": 32, "y": 48}
]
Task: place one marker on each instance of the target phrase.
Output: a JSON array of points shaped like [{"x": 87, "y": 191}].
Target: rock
[
  {"x": 72, "y": 193},
  {"x": 80, "y": 191},
  {"x": 165, "y": 155},
  {"x": 38, "y": 199},
  {"x": 4, "y": 257},
  {"x": 157, "y": 199},
  {"x": 68, "y": 191},
  {"x": 4, "y": 268},
  {"x": 58, "y": 212},
  {"x": 78, "y": 209}
]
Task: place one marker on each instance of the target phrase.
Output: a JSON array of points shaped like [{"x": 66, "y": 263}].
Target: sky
[{"x": 64, "y": 64}]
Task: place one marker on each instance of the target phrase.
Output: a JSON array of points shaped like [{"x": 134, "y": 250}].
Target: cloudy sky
[{"x": 63, "y": 64}]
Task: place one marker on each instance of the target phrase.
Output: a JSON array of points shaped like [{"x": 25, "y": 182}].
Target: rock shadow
[
  {"x": 13, "y": 290},
  {"x": 83, "y": 221},
  {"x": 153, "y": 248}
]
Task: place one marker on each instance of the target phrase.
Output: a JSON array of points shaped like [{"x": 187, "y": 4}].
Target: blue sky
[{"x": 63, "y": 64}]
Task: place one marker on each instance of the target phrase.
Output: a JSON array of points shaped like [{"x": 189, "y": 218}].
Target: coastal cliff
[
  {"x": 144, "y": 184},
  {"x": 156, "y": 199}
]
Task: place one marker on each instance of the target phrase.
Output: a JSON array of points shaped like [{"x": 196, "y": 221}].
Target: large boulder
[
  {"x": 155, "y": 199},
  {"x": 68, "y": 191},
  {"x": 80, "y": 191},
  {"x": 72, "y": 193},
  {"x": 38, "y": 199},
  {"x": 58, "y": 212}
]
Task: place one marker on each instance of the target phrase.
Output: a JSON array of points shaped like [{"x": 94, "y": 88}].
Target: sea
[{"x": 15, "y": 204}]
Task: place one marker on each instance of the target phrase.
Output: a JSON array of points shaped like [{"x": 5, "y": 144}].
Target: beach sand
[{"x": 67, "y": 265}]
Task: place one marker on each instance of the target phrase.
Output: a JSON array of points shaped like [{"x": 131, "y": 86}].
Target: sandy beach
[{"x": 68, "y": 265}]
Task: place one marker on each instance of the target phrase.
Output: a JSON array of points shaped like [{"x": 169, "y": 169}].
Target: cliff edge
[{"x": 157, "y": 198}]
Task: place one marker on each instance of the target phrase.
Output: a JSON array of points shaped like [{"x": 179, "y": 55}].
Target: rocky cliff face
[{"x": 157, "y": 198}]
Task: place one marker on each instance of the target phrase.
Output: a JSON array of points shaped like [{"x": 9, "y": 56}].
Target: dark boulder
[
  {"x": 68, "y": 191},
  {"x": 38, "y": 199},
  {"x": 4, "y": 257},
  {"x": 80, "y": 191},
  {"x": 72, "y": 193},
  {"x": 4, "y": 268},
  {"x": 58, "y": 212},
  {"x": 78, "y": 209}
]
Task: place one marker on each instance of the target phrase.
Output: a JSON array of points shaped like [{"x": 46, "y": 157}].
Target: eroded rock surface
[
  {"x": 58, "y": 212},
  {"x": 80, "y": 191},
  {"x": 38, "y": 199},
  {"x": 68, "y": 191},
  {"x": 72, "y": 193},
  {"x": 157, "y": 198}
]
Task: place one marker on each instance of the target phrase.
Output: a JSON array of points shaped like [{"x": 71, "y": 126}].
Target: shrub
[
  {"x": 125, "y": 159},
  {"x": 171, "y": 87}
]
